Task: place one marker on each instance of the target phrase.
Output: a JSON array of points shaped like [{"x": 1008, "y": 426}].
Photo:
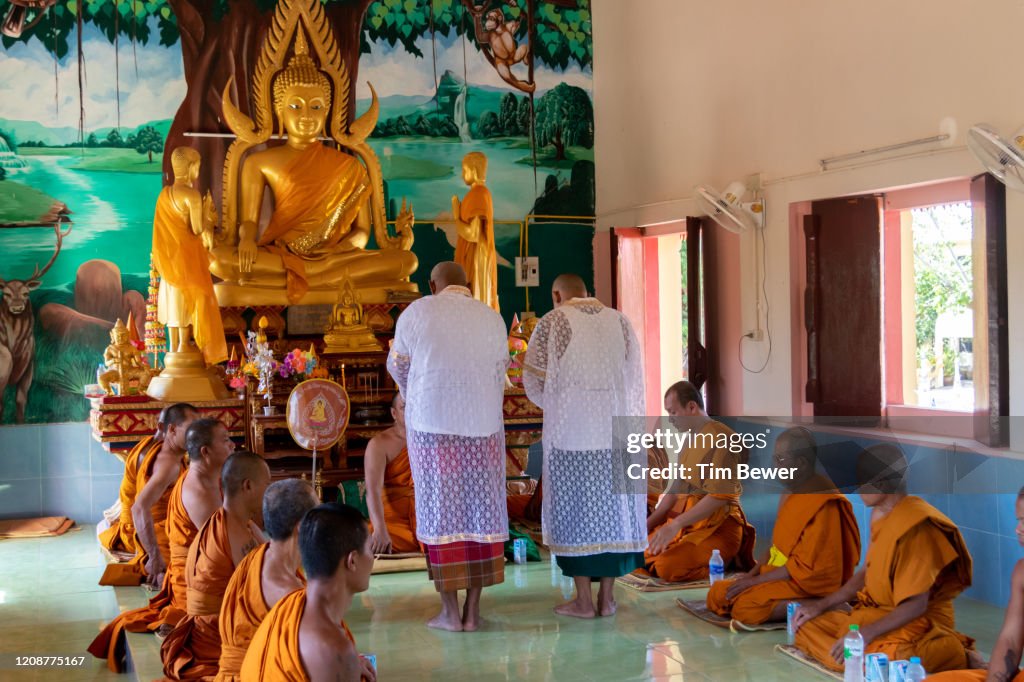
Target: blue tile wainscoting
[{"x": 56, "y": 469}]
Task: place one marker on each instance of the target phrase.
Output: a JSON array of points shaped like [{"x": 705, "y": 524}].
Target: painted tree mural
[{"x": 220, "y": 40}]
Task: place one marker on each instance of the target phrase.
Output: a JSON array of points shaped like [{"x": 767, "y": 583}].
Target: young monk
[
  {"x": 265, "y": 575},
  {"x": 193, "y": 500},
  {"x": 139, "y": 468},
  {"x": 389, "y": 488},
  {"x": 1004, "y": 666},
  {"x": 815, "y": 542},
  {"x": 192, "y": 650},
  {"x": 119, "y": 536},
  {"x": 916, "y": 565},
  {"x": 697, "y": 516},
  {"x": 304, "y": 636}
]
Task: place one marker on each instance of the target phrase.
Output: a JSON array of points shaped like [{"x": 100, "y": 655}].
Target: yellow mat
[
  {"x": 801, "y": 657},
  {"x": 399, "y": 563},
  {"x": 646, "y": 583}
]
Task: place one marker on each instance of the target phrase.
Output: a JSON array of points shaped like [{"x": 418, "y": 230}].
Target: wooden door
[{"x": 843, "y": 304}]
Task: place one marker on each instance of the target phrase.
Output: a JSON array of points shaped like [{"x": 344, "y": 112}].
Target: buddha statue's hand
[
  {"x": 456, "y": 207},
  {"x": 246, "y": 254}
]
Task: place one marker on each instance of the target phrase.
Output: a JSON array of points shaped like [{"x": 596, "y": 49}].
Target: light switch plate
[{"x": 527, "y": 271}]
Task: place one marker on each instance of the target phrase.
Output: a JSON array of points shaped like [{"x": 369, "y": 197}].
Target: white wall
[{"x": 707, "y": 92}]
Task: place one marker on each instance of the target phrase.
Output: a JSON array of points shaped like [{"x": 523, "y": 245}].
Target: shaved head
[
  {"x": 883, "y": 469},
  {"x": 240, "y": 467},
  {"x": 798, "y": 442},
  {"x": 447, "y": 274},
  {"x": 284, "y": 505},
  {"x": 568, "y": 286}
]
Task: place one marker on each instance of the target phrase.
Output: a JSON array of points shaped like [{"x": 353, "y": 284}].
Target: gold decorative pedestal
[{"x": 186, "y": 379}]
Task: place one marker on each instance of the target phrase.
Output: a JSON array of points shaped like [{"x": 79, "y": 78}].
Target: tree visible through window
[{"x": 943, "y": 317}]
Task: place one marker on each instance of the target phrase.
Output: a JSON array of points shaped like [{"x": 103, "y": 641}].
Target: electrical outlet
[
  {"x": 755, "y": 335},
  {"x": 527, "y": 271}
]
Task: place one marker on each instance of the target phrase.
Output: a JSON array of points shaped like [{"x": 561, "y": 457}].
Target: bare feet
[
  {"x": 576, "y": 609},
  {"x": 445, "y": 621},
  {"x": 608, "y": 608},
  {"x": 975, "y": 661},
  {"x": 471, "y": 623}
]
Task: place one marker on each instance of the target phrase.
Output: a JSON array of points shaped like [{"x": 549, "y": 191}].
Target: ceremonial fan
[{"x": 317, "y": 414}]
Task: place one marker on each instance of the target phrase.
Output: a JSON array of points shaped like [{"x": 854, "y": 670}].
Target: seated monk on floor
[
  {"x": 1004, "y": 665},
  {"x": 701, "y": 514},
  {"x": 150, "y": 470},
  {"x": 194, "y": 498},
  {"x": 304, "y": 636},
  {"x": 119, "y": 534},
  {"x": 389, "y": 488},
  {"x": 266, "y": 575},
  {"x": 192, "y": 650},
  {"x": 815, "y": 542},
  {"x": 903, "y": 597}
]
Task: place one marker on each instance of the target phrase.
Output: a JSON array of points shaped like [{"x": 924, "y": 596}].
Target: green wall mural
[{"x": 93, "y": 154}]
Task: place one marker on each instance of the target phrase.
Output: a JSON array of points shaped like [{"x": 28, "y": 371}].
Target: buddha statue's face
[{"x": 304, "y": 112}]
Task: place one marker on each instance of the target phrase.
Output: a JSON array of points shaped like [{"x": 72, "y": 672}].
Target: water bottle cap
[
  {"x": 915, "y": 659},
  {"x": 714, "y": 552},
  {"x": 854, "y": 628}
]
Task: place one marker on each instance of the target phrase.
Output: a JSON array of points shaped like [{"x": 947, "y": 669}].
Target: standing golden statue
[
  {"x": 183, "y": 227},
  {"x": 474, "y": 221},
  {"x": 325, "y": 201},
  {"x": 124, "y": 363}
]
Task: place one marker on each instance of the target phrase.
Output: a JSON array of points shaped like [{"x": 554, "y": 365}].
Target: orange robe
[
  {"x": 400, "y": 504},
  {"x": 479, "y": 258},
  {"x": 316, "y": 200},
  {"x": 686, "y": 557},
  {"x": 134, "y": 572},
  {"x": 183, "y": 263},
  {"x": 913, "y": 549},
  {"x": 274, "y": 650},
  {"x": 192, "y": 650},
  {"x": 242, "y": 610},
  {"x": 168, "y": 606},
  {"x": 120, "y": 536},
  {"x": 816, "y": 538}
]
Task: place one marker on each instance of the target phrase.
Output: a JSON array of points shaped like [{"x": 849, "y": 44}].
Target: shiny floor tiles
[{"x": 50, "y": 603}]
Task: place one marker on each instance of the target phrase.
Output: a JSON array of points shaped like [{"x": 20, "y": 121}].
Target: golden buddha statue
[
  {"x": 474, "y": 222},
  {"x": 325, "y": 201},
  {"x": 124, "y": 363},
  {"x": 348, "y": 331}
]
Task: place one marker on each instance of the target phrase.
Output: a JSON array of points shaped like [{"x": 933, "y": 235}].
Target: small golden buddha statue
[
  {"x": 318, "y": 416},
  {"x": 474, "y": 221},
  {"x": 125, "y": 365},
  {"x": 348, "y": 332},
  {"x": 325, "y": 201}
]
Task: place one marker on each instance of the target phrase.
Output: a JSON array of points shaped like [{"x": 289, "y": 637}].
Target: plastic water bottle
[
  {"x": 716, "y": 567},
  {"x": 915, "y": 671},
  {"x": 853, "y": 655}
]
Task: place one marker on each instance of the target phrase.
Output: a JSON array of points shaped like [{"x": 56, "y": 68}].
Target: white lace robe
[
  {"x": 583, "y": 368},
  {"x": 449, "y": 360}
]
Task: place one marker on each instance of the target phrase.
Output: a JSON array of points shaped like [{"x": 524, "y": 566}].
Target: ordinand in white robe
[
  {"x": 583, "y": 368},
  {"x": 449, "y": 359}
]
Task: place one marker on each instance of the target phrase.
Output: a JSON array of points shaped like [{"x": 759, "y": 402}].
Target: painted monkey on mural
[{"x": 497, "y": 39}]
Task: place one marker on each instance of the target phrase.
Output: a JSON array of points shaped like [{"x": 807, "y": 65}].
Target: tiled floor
[{"x": 50, "y": 603}]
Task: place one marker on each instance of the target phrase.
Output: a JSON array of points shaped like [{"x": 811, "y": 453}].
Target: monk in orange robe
[
  {"x": 389, "y": 488},
  {"x": 192, "y": 650},
  {"x": 195, "y": 497},
  {"x": 304, "y": 636},
  {"x": 697, "y": 516},
  {"x": 815, "y": 542},
  {"x": 916, "y": 565},
  {"x": 119, "y": 536},
  {"x": 474, "y": 221},
  {"x": 265, "y": 575}
]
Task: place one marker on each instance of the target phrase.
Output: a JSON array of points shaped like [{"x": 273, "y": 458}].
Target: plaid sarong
[{"x": 465, "y": 565}]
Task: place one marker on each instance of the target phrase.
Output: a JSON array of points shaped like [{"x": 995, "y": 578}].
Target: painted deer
[{"x": 17, "y": 340}]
